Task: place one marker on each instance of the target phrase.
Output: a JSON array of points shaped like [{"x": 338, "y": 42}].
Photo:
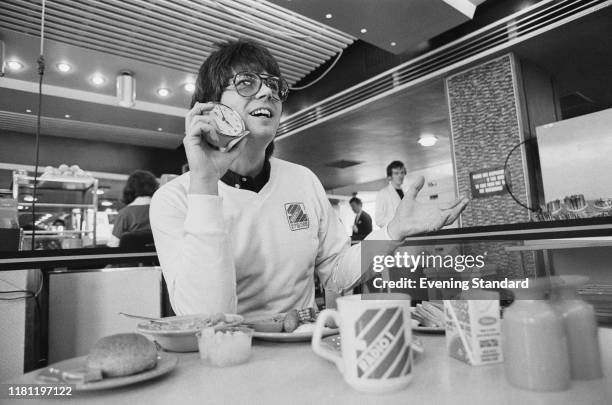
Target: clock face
[{"x": 227, "y": 120}]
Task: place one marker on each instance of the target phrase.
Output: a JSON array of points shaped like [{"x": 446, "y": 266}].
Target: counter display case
[{"x": 65, "y": 210}]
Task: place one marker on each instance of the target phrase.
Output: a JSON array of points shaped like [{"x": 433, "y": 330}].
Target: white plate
[
  {"x": 165, "y": 363},
  {"x": 291, "y": 337}
]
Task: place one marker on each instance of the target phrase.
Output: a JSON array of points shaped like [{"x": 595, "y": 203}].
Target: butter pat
[{"x": 473, "y": 331}]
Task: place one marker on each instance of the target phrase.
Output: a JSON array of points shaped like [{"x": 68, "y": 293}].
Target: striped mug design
[{"x": 375, "y": 337}]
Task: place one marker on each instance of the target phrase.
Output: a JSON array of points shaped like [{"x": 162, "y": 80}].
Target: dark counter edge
[
  {"x": 562, "y": 229},
  {"x": 75, "y": 258}
]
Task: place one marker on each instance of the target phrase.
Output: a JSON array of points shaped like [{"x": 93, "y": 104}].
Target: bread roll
[{"x": 122, "y": 354}]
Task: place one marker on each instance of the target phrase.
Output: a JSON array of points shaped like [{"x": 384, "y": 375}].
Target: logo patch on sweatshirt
[{"x": 296, "y": 215}]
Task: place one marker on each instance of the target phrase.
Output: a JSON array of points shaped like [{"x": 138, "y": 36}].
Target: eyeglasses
[{"x": 247, "y": 84}]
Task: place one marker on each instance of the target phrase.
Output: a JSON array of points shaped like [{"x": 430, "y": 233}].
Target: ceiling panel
[
  {"x": 178, "y": 34},
  {"x": 406, "y": 23},
  {"x": 161, "y": 42}
]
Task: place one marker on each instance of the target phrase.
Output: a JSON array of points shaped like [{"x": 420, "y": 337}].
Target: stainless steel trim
[{"x": 105, "y": 270}]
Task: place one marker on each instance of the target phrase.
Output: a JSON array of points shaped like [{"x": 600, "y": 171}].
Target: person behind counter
[
  {"x": 363, "y": 222},
  {"x": 134, "y": 217},
  {"x": 388, "y": 199},
  {"x": 244, "y": 232}
]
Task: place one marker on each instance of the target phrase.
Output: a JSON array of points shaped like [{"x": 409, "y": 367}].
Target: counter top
[{"x": 290, "y": 373}]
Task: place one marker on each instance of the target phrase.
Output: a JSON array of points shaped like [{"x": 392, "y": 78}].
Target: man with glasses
[{"x": 243, "y": 232}]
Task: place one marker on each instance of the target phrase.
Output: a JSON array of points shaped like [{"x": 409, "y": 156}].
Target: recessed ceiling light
[
  {"x": 106, "y": 203},
  {"x": 160, "y": 129},
  {"x": 99, "y": 191},
  {"x": 28, "y": 110},
  {"x": 14, "y": 65},
  {"x": 67, "y": 115},
  {"x": 363, "y": 30},
  {"x": 163, "y": 92},
  {"x": 98, "y": 80},
  {"x": 393, "y": 44},
  {"x": 328, "y": 16},
  {"x": 63, "y": 67},
  {"x": 427, "y": 140},
  {"x": 189, "y": 87}
]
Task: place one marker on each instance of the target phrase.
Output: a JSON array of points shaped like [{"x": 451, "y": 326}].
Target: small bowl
[{"x": 225, "y": 346}]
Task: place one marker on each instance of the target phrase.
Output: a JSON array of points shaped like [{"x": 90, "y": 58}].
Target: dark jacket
[{"x": 364, "y": 226}]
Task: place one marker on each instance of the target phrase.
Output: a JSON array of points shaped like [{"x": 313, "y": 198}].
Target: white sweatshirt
[{"x": 252, "y": 253}]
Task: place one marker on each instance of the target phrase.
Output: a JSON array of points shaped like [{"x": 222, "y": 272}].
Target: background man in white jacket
[
  {"x": 243, "y": 232},
  {"x": 388, "y": 199}
]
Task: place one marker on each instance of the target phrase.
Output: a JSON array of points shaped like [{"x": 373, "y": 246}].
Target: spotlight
[
  {"x": 163, "y": 92},
  {"x": 14, "y": 65},
  {"x": 189, "y": 87},
  {"x": 63, "y": 67},
  {"x": 427, "y": 140},
  {"x": 98, "y": 80}
]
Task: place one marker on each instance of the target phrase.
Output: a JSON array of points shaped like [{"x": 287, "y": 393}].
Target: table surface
[{"x": 290, "y": 373}]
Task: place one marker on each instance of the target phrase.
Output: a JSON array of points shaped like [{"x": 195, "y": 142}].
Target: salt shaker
[
  {"x": 580, "y": 326},
  {"x": 534, "y": 341}
]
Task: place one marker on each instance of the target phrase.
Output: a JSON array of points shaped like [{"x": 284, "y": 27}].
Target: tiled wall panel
[{"x": 485, "y": 124}]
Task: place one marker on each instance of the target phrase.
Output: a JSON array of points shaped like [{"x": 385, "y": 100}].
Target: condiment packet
[{"x": 473, "y": 331}]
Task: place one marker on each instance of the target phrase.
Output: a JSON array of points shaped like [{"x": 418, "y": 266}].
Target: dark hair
[
  {"x": 396, "y": 164},
  {"x": 355, "y": 200},
  {"x": 230, "y": 58},
  {"x": 141, "y": 183}
]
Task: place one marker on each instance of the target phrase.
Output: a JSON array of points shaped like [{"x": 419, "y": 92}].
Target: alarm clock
[
  {"x": 228, "y": 121},
  {"x": 229, "y": 125}
]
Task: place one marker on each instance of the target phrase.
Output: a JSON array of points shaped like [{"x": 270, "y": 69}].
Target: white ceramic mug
[{"x": 375, "y": 337}]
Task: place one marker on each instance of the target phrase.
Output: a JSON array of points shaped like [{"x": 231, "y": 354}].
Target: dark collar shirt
[{"x": 254, "y": 184}]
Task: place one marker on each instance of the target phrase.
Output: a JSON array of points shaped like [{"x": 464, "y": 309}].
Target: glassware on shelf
[
  {"x": 535, "y": 345},
  {"x": 73, "y": 198},
  {"x": 580, "y": 326}
]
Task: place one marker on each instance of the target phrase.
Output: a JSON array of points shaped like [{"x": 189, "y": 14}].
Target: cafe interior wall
[{"x": 101, "y": 156}]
